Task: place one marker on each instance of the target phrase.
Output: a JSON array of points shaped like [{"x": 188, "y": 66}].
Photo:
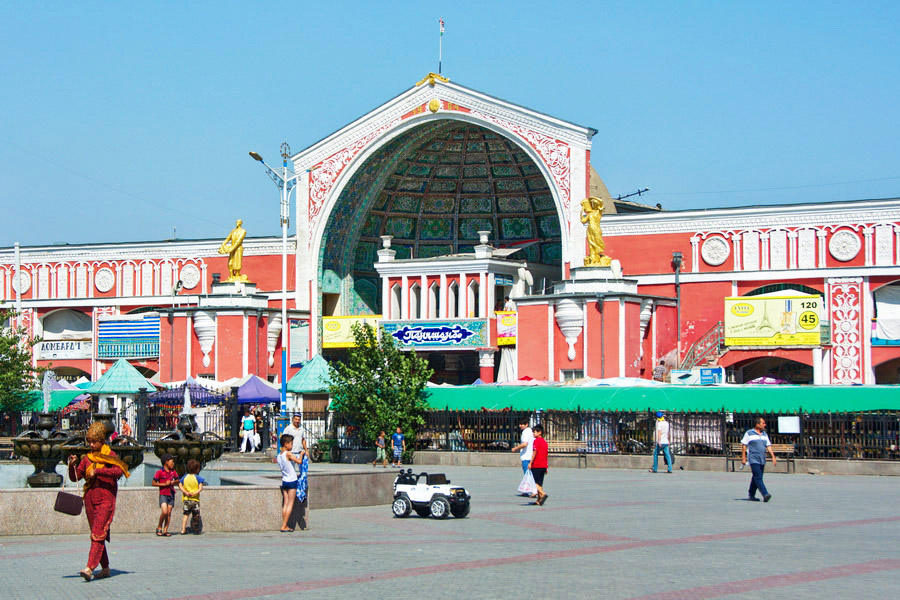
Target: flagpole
[{"x": 441, "y": 47}]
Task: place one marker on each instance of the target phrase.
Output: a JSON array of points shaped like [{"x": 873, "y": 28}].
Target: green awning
[
  {"x": 58, "y": 399},
  {"x": 314, "y": 377},
  {"x": 732, "y": 398},
  {"x": 121, "y": 378}
]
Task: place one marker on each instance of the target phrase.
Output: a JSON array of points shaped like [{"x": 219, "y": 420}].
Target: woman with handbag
[{"x": 101, "y": 470}]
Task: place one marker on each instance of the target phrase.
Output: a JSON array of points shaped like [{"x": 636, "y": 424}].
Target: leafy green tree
[
  {"x": 17, "y": 376},
  {"x": 380, "y": 386}
]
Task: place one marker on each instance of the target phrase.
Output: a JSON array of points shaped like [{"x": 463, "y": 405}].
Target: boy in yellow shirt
[{"x": 191, "y": 485}]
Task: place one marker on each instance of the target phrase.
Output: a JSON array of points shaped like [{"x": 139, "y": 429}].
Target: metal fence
[{"x": 870, "y": 435}]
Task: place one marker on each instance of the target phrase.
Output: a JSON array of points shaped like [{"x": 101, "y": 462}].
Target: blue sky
[{"x": 120, "y": 122}]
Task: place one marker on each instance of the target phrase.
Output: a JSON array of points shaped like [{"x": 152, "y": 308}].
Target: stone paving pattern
[{"x": 602, "y": 534}]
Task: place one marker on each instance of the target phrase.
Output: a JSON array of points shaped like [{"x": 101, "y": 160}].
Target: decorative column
[
  {"x": 205, "y": 328},
  {"x": 444, "y": 297},
  {"x": 764, "y": 251},
  {"x": 273, "y": 333},
  {"x": 792, "y": 249},
  {"x": 695, "y": 254},
  {"x": 569, "y": 319},
  {"x": 845, "y": 314},
  {"x": 867, "y": 232},
  {"x": 486, "y": 365},
  {"x": 736, "y": 244},
  {"x": 821, "y": 235}
]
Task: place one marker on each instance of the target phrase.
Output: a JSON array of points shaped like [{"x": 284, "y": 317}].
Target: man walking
[
  {"x": 662, "y": 442},
  {"x": 753, "y": 450},
  {"x": 398, "y": 441},
  {"x": 526, "y": 447}
]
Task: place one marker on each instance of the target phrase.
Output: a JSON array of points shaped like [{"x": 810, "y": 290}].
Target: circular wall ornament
[
  {"x": 434, "y": 105},
  {"x": 104, "y": 279},
  {"x": 715, "y": 251},
  {"x": 844, "y": 245},
  {"x": 23, "y": 284},
  {"x": 190, "y": 276}
]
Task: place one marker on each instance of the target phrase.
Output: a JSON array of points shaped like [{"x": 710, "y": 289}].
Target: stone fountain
[
  {"x": 42, "y": 447},
  {"x": 186, "y": 442},
  {"x": 128, "y": 449}
]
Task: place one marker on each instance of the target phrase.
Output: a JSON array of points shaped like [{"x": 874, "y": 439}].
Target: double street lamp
[{"x": 286, "y": 180}]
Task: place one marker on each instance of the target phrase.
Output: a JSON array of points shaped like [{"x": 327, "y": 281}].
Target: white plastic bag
[
  {"x": 257, "y": 442},
  {"x": 528, "y": 486}
]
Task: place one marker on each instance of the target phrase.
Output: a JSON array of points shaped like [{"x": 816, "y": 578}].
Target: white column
[
  {"x": 424, "y": 296},
  {"x": 821, "y": 234},
  {"x": 444, "y": 297},
  {"x": 491, "y": 299},
  {"x": 245, "y": 346},
  {"x": 792, "y": 249},
  {"x": 695, "y": 254},
  {"x": 386, "y": 298},
  {"x": 764, "y": 251},
  {"x": 463, "y": 299},
  {"x": 736, "y": 248},
  {"x": 404, "y": 298},
  {"x": 621, "y": 337},
  {"x": 482, "y": 296},
  {"x": 817, "y": 365},
  {"x": 867, "y": 233}
]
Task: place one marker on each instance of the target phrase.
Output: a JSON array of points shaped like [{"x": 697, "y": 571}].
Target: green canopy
[
  {"x": 313, "y": 378},
  {"x": 675, "y": 398},
  {"x": 58, "y": 399},
  {"x": 121, "y": 378}
]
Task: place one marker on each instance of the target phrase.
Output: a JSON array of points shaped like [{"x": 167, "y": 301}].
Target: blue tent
[{"x": 256, "y": 391}]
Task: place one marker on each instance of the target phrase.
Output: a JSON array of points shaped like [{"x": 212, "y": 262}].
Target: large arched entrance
[{"x": 432, "y": 189}]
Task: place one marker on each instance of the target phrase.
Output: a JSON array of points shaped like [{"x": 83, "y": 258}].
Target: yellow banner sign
[
  {"x": 507, "y": 327},
  {"x": 337, "y": 331},
  {"x": 773, "y": 321}
]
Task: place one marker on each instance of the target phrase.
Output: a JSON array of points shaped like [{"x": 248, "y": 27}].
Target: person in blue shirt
[
  {"x": 753, "y": 451},
  {"x": 398, "y": 441}
]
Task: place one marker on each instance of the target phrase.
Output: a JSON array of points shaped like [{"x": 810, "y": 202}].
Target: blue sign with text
[{"x": 438, "y": 334}]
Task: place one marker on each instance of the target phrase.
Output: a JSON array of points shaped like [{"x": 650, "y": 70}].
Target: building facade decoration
[
  {"x": 844, "y": 245},
  {"x": 715, "y": 251},
  {"x": 845, "y": 308},
  {"x": 570, "y": 320},
  {"x": 104, "y": 280},
  {"x": 205, "y": 329}
]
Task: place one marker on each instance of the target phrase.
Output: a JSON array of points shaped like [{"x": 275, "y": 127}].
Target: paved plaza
[{"x": 602, "y": 534}]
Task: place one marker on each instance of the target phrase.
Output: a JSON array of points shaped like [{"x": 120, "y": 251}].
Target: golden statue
[
  {"x": 233, "y": 246},
  {"x": 592, "y": 212}
]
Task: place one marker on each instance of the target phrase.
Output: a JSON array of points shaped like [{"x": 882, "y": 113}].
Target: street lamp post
[
  {"x": 677, "y": 260},
  {"x": 286, "y": 180}
]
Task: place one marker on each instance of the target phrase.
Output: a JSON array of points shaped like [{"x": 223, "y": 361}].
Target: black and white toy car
[{"x": 428, "y": 495}]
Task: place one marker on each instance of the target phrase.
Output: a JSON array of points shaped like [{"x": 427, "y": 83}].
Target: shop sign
[
  {"x": 507, "y": 327},
  {"x": 64, "y": 349},
  {"x": 698, "y": 376},
  {"x": 337, "y": 332},
  {"x": 773, "y": 321},
  {"x": 462, "y": 333}
]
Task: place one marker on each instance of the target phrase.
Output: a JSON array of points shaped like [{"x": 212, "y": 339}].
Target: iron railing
[{"x": 705, "y": 346}]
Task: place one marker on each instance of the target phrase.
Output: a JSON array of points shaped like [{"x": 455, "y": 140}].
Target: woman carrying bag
[{"x": 101, "y": 470}]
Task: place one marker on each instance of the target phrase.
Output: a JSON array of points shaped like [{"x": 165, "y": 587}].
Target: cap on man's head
[{"x": 659, "y": 414}]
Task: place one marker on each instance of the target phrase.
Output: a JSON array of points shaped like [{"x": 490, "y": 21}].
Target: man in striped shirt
[{"x": 753, "y": 450}]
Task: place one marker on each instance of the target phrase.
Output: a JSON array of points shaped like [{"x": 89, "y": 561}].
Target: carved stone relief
[
  {"x": 806, "y": 249},
  {"x": 190, "y": 276},
  {"x": 715, "y": 251},
  {"x": 104, "y": 279},
  {"x": 778, "y": 250},
  {"x": 844, "y": 245}
]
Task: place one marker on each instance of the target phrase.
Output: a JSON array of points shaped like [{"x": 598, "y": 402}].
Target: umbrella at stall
[
  {"x": 766, "y": 380},
  {"x": 200, "y": 396},
  {"x": 257, "y": 391}
]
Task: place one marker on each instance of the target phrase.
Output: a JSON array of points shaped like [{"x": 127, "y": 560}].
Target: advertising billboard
[
  {"x": 337, "y": 332},
  {"x": 439, "y": 335},
  {"x": 507, "y": 327},
  {"x": 773, "y": 321}
]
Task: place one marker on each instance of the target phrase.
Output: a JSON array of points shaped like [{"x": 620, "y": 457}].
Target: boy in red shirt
[
  {"x": 538, "y": 465},
  {"x": 165, "y": 479}
]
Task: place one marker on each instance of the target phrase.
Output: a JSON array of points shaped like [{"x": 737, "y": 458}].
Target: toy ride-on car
[{"x": 428, "y": 495}]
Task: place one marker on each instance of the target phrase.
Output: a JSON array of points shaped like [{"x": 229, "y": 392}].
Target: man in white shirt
[
  {"x": 293, "y": 430},
  {"x": 526, "y": 447},
  {"x": 662, "y": 442}
]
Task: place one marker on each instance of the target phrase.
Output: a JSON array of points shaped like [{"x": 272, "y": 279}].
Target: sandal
[
  {"x": 87, "y": 574},
  {"x": 159, "y": 532},
  {"x": 166, "y": 534},
  {"x": 103, "y": 574}
]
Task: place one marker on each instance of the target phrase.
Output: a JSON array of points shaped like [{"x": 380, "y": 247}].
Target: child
[
  {"x": 191, "y": 485},
  {"x": 288, "y": 478},
  {"x": 538, "y": 465},
  {"x": 398, "y": 441},
  {"x": 165, "y": 480},
  {"x": 379, "y": 451}
]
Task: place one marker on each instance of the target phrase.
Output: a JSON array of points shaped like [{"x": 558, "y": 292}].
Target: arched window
[
  {"x": 452, "y": 300},
  {"x": 395, "y": 302},
  {"x": 67, "y": 325},
  {"x": 474, "y": 310},
  {"x": 434, "y": 301},
  {"x": 415, "y": 301}
]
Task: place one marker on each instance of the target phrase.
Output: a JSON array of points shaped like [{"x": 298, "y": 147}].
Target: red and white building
[{"x": 426, "y": 213}]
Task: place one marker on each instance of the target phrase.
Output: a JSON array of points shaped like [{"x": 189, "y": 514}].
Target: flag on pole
[{"x": 442, "y": 26}]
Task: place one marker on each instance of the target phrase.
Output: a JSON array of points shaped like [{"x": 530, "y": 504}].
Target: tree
[
  {"x": 17, "y": 375},
  {"x": 379, "y": 386}
]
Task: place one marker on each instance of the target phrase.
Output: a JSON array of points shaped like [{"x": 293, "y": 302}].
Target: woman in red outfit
[{"x": 101, "y": 470}]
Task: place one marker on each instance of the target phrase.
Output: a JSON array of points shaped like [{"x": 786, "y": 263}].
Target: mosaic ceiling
[{"x": 433, "y": 189}]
